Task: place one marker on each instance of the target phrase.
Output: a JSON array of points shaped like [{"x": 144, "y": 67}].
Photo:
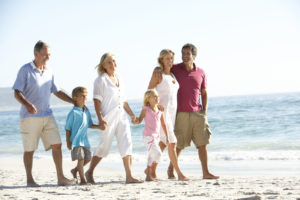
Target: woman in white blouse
[
  {"x": 111, "y": 108},
  {"x": 167, "y": 91}
]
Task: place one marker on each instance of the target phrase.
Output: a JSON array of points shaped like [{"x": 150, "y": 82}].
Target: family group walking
[{"x": 171, "y": 110}]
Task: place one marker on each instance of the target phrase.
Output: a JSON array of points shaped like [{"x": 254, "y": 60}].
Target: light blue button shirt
[
  {"x": 36, "y": 88},
  {"x": 78, "y": 121}
]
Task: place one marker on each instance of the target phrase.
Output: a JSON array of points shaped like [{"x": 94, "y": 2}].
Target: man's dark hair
[{"x": 190, "y": 46}]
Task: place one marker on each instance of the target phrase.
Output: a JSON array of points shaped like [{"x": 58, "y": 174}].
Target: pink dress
[{"x": 151, "y": 135}]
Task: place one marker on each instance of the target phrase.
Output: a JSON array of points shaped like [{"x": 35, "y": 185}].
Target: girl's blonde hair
[
  {"x": 100, "y": 67},
  {"x": 149, "y": 93},
  {"x": 161, "y": 56}
]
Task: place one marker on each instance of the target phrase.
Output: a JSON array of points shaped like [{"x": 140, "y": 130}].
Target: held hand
[
  {"x": 102, "y": 125},
  {"x": 31, "y": 109},
  {"x": 134, "y": 119}
]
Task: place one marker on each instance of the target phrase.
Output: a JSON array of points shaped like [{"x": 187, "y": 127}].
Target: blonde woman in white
[
  {"x": 111, "y": 108},
  {"x": 167, "y": 88}
]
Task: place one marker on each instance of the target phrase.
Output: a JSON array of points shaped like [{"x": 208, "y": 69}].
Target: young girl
[{"x": 153, "y": 120}]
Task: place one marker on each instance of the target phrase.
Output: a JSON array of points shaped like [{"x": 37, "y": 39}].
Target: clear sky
[{"x": 245, "y": 47}]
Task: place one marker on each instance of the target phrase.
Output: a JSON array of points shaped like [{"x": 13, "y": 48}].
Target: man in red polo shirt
[{"x": 191, "y": 122}]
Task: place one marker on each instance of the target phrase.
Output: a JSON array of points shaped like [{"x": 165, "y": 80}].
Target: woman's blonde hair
[
  {"x": 161, "y": 56},
  {"x": 100, "y": 67},
  {"x": 149, "y": 93}
]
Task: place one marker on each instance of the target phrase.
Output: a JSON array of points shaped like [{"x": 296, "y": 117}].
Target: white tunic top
[
  {"x": 167, "y": 92},
  {"x": 108, "y": 93}
]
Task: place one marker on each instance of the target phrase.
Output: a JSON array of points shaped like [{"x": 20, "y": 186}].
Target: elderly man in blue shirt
[{"x": 33, "y": 87}]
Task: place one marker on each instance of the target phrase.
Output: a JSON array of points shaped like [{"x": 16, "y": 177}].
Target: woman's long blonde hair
[
  {"x": 149, "y": 93},
  {"x": 161, "y": 56},
  {"x": 100, "y": 67}
]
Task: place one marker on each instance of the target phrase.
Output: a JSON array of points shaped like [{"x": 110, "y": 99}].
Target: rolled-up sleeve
[{"x": 98, "y": 89}]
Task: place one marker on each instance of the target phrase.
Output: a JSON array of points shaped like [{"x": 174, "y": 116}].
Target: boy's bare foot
[
  {"x": 170, "y": 174},
  {"x": 64, "y": 181},
  {"x": 74, "y": 173},
  {"x": 183, "y": 178},
  {"x": 32, "y": 184},
  {"x": 89, "y": 178},
  {"x": 85, "y": 183},
  {"x": 210, "y": 176},
  {"x": 133, "y": 180}
]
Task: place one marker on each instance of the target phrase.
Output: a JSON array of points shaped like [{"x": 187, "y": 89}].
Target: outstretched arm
[
  {"x": 63, "y": 96},
  {"x": 102, "y": 123},
  {"x": 141, "y": 117},
  {"x": 156, "y": 78},
  {"x": 129, "y": 111},
  {"x": 28, "y": 105}
]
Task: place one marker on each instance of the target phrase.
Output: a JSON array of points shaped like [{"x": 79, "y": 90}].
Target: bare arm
[
  {"x": 156, "y": 78},
  {"x": 129, "y": 111},
  {"x": 204, "y": 99},
  {"x": 97, "y": 105},
  {"x": 28, "y": 105},
  {"x": 141, "y": 117},
  {"x": 69, "y": 144},
  {"x": 163, "y": 125},
  {"x": 63, "y": 96}
]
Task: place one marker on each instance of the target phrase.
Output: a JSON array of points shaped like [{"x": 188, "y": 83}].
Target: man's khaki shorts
[
  {"x": 191, "y": 126},
  {"x": 34, "y": 128}
]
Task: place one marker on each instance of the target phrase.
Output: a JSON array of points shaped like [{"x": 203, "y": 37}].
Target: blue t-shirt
[
  {"x": 36, "y": 88},
  {"x": 78, "y": 121}
]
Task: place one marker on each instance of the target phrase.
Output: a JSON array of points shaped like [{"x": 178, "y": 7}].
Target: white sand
[{"x": 110, "y": 185}]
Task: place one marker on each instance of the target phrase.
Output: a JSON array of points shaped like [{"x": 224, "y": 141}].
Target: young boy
[{"x": 78, "y": 121}]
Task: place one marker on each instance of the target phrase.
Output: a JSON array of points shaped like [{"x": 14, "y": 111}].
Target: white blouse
[{"x": 108, "y": 93}]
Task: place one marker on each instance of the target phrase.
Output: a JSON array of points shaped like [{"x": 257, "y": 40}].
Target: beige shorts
[
  {"x": 34, "y": 128},
  {"x": 191, "y": 126},
  {"x": 80, "y": 153}
]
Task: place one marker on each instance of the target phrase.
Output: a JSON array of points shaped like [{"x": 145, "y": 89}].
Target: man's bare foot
[
  {"x": 32, "y": 184},
  {"x": 89, "y": 178},
  {"x": 65, "y": 181},
  {"x": 74, "y": 173},
  {"x": 210, "y": 176},
  {"x": 133, "y": 180},
  {"x": 183, "y": 178},
  {"x": 170, "y": 174}
]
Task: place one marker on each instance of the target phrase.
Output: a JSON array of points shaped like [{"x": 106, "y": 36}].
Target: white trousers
[{"x": 117, "y": 125}]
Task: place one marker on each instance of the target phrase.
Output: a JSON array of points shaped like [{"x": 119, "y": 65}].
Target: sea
[{"x": 251, "y": 134}]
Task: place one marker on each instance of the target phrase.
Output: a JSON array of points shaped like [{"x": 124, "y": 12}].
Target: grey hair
[{"x": 40, "y": 45}]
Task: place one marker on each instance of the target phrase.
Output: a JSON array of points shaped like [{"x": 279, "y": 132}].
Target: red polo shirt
[{"x": 190, "y": 85}]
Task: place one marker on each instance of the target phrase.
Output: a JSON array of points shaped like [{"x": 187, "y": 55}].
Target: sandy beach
[{"x": 111, "y": 185}]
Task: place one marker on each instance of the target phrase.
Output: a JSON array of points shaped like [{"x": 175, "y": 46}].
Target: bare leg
[
  {"x": 75, "y": 170},
  {"x": 174, "y": 161},
  {"x": 127, "y": 165},
  {"x": 28, "y": 160},
  {"x": 80, "y": 165},
  {"x": 89, "y": 173},
  {"x": 202, "y": 152},
  {"x": 153, "y": 170},
  {"x": 57, "y": 157},
  {"x": 171, "y": 168},
  {"x": 148, "y": 174}
]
